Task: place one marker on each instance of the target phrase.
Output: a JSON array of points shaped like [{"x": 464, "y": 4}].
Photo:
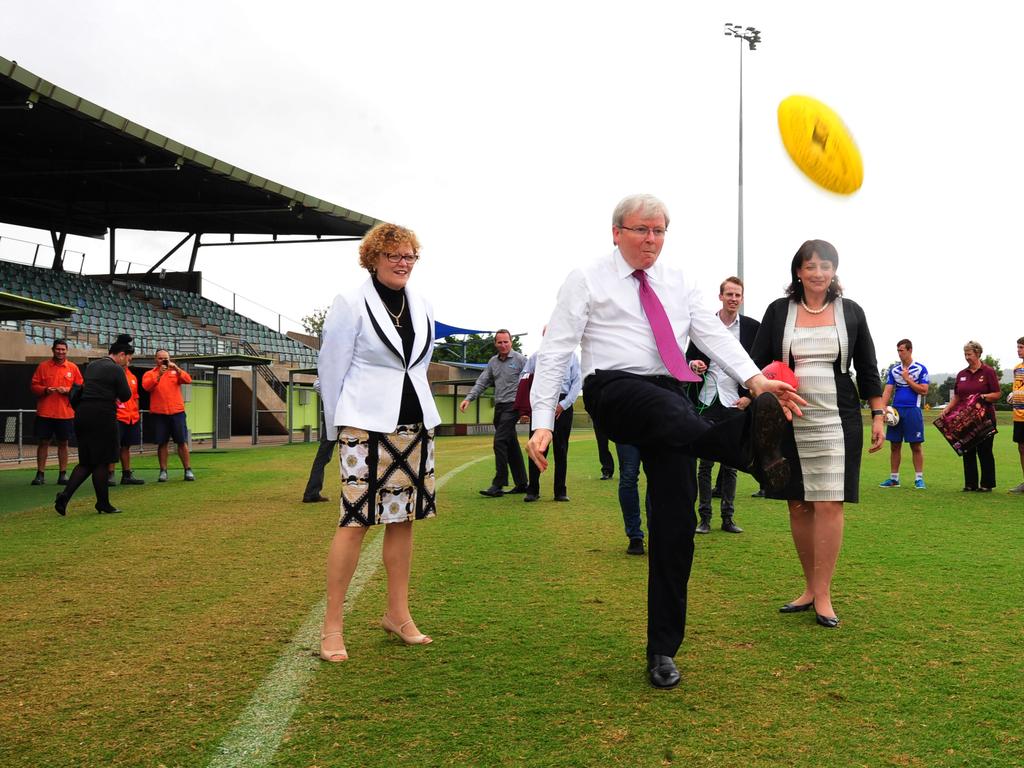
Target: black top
[
  {"x": 395, "y": 302},
  {"x": 105, "y": 382},
  {"x": 860, "y": 346}
]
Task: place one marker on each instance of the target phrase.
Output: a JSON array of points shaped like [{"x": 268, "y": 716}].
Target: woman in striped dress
[{"x": 818, "y": 333}]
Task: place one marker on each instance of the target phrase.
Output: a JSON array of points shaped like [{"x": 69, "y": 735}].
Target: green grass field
[{"x": 141, "y": 639}]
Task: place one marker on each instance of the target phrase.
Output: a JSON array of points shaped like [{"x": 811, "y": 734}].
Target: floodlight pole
[{"x": 752, "y": 37}]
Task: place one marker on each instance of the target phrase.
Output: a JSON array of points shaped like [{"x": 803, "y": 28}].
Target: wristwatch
[{"x": 877, "y": 412}]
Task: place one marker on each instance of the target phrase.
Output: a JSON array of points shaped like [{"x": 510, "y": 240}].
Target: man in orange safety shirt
[
  {"x": 55, "y": 418},
  {"x": 167, "y": 409}
]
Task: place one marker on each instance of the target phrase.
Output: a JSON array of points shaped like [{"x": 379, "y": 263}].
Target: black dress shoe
[
  {"x": 662, "y": 671},
  {"x": 768, "y": 424},
  {"x": 758, "y": 495},
  {"x": 61, "y": 504},
  {"x": 563, "y": 497},
  {"x": 829, "y": 622},
  {"x": 517, "y": 489},
  {"x": 636, "y": 547},
  {"x": 494, "y": 491},
  {"x": 796, "y": 607},
  {"x": 704, "y": 526},
  {"x": 531, "y": 497},
  {"x": 314, "y": 499},
  {"x": 110, "y": 509},
  {"x": 731, "y": 527},
  {"x": 967, "y": 489},
  {"x": 607, "y": 474}
]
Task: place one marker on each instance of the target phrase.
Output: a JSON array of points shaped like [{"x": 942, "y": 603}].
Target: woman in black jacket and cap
[{"x": 96, "y": 425}]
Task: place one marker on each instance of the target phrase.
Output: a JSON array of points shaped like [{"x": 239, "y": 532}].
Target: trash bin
[{"x": 307, "y": 433}]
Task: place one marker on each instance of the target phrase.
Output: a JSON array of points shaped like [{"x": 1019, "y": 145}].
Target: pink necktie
[{"x": 669, "y": 350}]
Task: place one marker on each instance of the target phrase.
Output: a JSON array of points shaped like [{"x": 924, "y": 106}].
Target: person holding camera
[{"x": 167, "y": 409}]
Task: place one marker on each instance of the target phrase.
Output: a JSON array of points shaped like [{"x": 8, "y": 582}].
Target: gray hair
[
  {"x": 974, "y": 347},
  {"x": 648, "y": 206}
]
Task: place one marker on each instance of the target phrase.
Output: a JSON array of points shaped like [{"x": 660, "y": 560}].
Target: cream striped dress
[{"x": 819, "y": 434}]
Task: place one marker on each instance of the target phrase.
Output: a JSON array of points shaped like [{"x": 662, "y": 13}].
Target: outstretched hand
[
  {"x": 788, "y": 397},
  {"x": 536, "y": 447}
]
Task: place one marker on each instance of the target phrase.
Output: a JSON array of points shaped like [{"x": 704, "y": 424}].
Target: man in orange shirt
[
  {"x": 129, "y": 425},
  {"x": 55, "y": 417},
  {"x": 167, "y": 409}
]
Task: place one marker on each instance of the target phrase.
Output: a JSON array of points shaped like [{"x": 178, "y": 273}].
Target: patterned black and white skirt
[{"x": 386, "y": 478}]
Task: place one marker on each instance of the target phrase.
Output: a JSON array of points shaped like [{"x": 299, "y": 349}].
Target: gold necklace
[
  {"x": 814, "y": 311},
  {"x": 395, "y": 318}
]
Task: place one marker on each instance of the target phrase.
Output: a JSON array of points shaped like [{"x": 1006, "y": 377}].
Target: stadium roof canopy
[
  {"x": 15, "y": 307},
  {"x": 70, "y": 166}
]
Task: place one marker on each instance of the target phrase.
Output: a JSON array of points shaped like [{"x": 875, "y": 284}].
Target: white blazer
[{"x": 362, "y": 366}]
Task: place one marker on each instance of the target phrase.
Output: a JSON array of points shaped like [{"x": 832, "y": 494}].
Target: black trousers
[
  {"x": 507, "y": 454},
  {"x": 982, "y": 454},
  {"x": 603, "y": 454},
  {"x": 316, "y": 473},
  {"x": 654, "y": 413},
  {"x": 560, "y": 445}
]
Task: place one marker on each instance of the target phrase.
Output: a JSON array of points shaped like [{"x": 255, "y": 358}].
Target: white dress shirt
[
  {"x": 716, "y": 382},
  {"x": 598, "y": 308},
  {"x": 572, "y": 383}
]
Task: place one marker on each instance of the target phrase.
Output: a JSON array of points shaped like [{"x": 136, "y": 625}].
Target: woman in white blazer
[{"x": 377, "y": 344}]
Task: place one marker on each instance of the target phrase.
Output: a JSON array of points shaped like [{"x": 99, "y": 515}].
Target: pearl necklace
[{"x": 814, "y": 311}]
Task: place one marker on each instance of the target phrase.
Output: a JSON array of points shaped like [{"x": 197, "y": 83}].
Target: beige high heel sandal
[
  {"x": 389, "y": 626},
  {"x": 333, "y": 656}
]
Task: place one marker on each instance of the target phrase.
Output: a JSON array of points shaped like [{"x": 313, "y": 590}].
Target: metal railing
[
  {"x": 15, "y": 449},
  {"x": 12, "y": 431},
  {"x": 260, "y": 412},
  {"x": 266, "y": 374}
]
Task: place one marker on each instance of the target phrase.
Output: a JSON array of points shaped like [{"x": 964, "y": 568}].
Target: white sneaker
[
  {"x": 162, "y": 477},
  {"x": 1018, "y": 489}
]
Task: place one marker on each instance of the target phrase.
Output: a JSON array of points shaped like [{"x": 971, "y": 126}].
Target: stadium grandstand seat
[{"x": 155, "y": 315}]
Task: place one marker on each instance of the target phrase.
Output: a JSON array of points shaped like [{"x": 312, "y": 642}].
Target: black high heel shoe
[
  {"x": 829, "y": 622},
  {"x": 796, "y": 607},
  {"x": 110, "y": 509},
  {"x": 61, "y": 504}
]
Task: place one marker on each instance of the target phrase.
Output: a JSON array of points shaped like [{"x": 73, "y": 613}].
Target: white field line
[{"x": 256, "y": 735}]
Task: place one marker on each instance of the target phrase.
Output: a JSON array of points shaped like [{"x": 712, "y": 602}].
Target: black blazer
[
  {"x": 860, "y": 349},
  {"x": 748, "y": 333}
]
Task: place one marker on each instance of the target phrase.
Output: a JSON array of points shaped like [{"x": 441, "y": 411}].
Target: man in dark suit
[
  {"x": 323, "y": 456},
  {"x": 718, "y": 395}
]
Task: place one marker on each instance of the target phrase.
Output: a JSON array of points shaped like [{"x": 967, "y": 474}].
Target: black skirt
[{"x": 96, "y": 430}]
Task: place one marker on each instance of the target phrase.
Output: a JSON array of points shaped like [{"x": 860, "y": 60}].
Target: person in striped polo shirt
[{"x": 909, "y": 381}]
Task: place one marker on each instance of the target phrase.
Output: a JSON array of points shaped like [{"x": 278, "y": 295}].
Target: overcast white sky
[{"x": 505, "y": 134}]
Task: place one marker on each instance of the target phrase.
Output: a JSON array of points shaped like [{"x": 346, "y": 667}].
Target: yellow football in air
[{"x": 820, "y": 144}]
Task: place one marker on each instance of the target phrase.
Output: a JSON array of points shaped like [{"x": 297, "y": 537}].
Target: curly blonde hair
[{"x": 382, "y": 239}]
